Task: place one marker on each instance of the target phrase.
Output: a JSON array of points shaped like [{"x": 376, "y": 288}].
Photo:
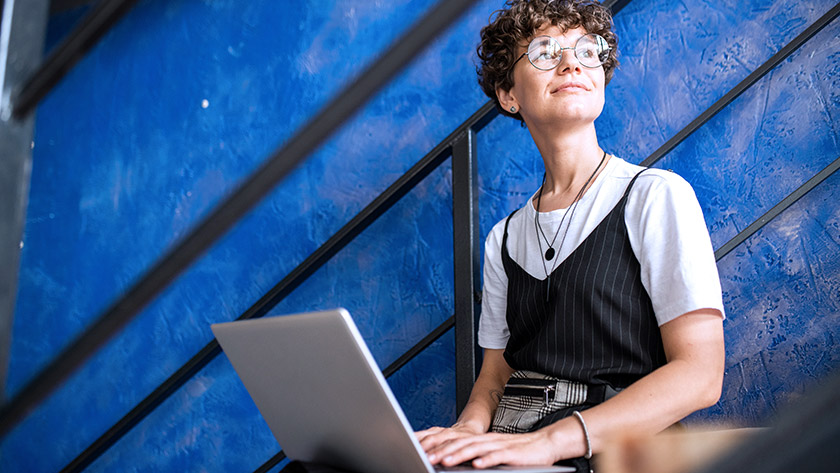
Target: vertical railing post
[
  {"x": 22, "y": 33},
  {"x": 466, "y": 261}
]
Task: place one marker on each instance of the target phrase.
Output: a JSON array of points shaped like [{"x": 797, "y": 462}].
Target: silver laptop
[{"x": 322, "y": 395}]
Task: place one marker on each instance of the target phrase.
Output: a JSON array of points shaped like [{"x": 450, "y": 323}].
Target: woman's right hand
[
  {"x": 434, "y": 437},
  {"x": 477, "y": 414}
]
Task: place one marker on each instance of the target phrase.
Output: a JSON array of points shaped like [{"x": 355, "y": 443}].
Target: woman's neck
[{"x": 570, "y": 158}]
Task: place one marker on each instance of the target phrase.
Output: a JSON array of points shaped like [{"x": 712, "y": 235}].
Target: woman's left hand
[{"x": 486, "y": 450}]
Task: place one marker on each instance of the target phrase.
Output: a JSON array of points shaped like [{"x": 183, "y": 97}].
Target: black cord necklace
[{"x": 550, "y": 252}]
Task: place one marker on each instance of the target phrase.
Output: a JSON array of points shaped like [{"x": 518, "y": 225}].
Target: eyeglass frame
[{"x": 561, "y": 49}]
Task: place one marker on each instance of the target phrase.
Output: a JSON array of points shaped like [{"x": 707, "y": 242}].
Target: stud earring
[{"x": 512, "y": 109}]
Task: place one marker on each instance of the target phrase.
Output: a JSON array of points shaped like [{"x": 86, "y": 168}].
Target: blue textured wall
[{"x": 127, "y": 158}]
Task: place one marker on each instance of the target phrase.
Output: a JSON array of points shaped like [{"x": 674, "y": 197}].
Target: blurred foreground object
[
  {"x": 671, "y": 452},
  {"x": 804, "y": 438}
]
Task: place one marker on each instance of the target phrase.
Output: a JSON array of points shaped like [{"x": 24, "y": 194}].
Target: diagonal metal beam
[
  {"x": 615, "y": 6},
  {"x": 777, "y": 209},
  {"x": 271, "y": 463},
  {"x": 89, "y": 31},
  {"x": 418, "y": 347},
  {"x": 225, "y": 215}
]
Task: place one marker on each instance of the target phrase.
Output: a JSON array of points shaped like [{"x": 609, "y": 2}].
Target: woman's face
[{"x": 568, "y": 95}]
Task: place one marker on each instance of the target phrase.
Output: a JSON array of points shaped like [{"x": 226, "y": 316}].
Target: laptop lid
[{"x": 322, "y": 394}]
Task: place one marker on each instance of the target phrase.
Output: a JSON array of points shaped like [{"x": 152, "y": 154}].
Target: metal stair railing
[
  {"x": 89, "y": 31},
  {"x": 783, "y": 205},
  {"x": 346, "y": 103},
  {"x": 324, "y": 253},
  {"x": 62, "y": 59},
  {"x": 461, "y": 146}
]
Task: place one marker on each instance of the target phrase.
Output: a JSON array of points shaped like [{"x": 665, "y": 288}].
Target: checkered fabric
[{"x": 530, "y": 396}]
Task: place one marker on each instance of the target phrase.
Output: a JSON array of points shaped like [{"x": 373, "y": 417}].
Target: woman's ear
[{"x": 507, "y": 100}]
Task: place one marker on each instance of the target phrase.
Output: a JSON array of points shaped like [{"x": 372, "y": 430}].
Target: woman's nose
[{"x": 568, "y": 61}]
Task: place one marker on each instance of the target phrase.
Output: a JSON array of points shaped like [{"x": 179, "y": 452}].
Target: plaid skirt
[{"x": 529, "y": 397}]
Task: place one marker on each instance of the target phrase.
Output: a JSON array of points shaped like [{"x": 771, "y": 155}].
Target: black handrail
[
  {"x": 271, "y": 463},
  {"x": 615, "y": 6},
  {"x": 226, "y": 214},
  {"x": 794, "y": 196},
  {"x": 88, "y": 32}
]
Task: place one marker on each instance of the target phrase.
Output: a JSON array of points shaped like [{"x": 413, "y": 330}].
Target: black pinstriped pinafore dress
[{"x": 596, "y": 324}]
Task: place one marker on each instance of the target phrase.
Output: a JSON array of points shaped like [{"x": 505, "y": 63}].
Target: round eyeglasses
[{"x": 545, "y": 52}]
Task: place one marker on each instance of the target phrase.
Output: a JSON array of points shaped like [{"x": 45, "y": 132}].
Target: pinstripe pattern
[{"x": 598, "y": 326}]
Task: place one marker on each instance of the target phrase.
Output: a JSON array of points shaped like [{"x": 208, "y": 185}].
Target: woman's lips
[{"x": 569, "y": 86}]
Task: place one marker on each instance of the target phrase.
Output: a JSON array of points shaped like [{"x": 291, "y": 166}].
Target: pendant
[
  {"x": 549, "y": 253},
  {"x": 547, "y": 287}
]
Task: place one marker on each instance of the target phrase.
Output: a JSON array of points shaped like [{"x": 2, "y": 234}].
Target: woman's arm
[
  {"x": 478, "y": 413},
  {"x": 486, "y": 393},
  {"x": 690, "y": 380}
]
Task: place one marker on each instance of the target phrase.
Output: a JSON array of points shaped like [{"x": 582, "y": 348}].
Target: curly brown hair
[{"x": 519, "y": 21}]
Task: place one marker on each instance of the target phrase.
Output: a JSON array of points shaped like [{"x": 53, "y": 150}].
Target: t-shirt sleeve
[
  {"x": 492, "y": 325},
  {"x": 672, "y": 243}
]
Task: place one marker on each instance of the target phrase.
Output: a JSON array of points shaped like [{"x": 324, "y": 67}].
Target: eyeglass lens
[{"x": 545, "y": 52}]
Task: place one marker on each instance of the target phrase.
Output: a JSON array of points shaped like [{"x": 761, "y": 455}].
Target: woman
[{"x": 602, "y": 309}]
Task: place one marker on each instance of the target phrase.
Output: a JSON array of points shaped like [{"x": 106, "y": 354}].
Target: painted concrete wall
[{"x": 183, "y": 99}]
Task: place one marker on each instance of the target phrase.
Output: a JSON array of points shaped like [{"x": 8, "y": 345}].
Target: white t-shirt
[{"x": 665, "y": 226}]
